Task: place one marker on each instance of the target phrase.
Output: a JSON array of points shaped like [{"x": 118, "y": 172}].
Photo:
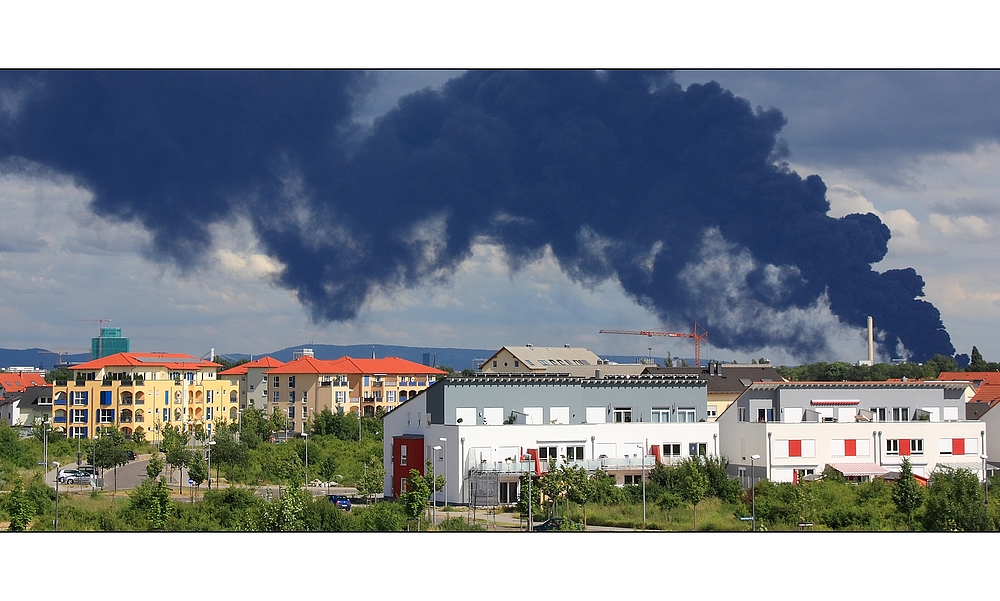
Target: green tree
[
  {"x": 372, "y": 480},
  {"x": 416, "y": 498},
  {"x": 150, "y": 503},
  {"x": 907, "y": 495},
  {"x": 955, "y": 502},
  {"x": 155, "y": 467},
  {"x": 197, "y": 471},
  {"x": 109, "y": 452},
  {"x": 579, "y": 487},
  {"x": 976, "y": 363},
  {"x": 139, "y": 436},
  {"x": 693, "y": 485},
  {"x": 522, "y": 499},
  {"x": 174, "y": 447},
  {"x": 227, "y": 451},
  {"x": 19, "y": 507},
  {"x": 62, "y": 374},
  {"x": 553, "y": 486}
]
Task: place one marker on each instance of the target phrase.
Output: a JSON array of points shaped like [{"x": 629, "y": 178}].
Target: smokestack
[{"x": 871, "y": 342}]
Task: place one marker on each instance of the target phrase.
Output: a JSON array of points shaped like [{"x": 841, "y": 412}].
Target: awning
[
  {"x": 833, "y": 403},
  {"x": 859, "y": 469},
  {"x": 973, "y": 466}
]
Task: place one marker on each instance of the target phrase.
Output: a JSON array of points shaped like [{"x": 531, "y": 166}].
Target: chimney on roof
[
  {"x": 597, "y": 374},
  {"x": 565, "y": 346},
  {"x": 528, "y": 345}
]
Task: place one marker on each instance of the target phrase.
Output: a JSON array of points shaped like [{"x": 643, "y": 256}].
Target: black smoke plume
[{"x": 623, "y": 174}]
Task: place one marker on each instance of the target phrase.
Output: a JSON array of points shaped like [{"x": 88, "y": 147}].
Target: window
[
  {"x": 291, "y": 396},
  {"x": 879, "y": 413},
  {"x": 547, "y": 453},
  {"x": 900, "y": 414},
  {"x": 291, "y": 413},
  {"x": 305, "y": 396},
  {"x": 713, "y": 411},
  {"x": 660, "y": 415},
  {"x": 305, "y": 410},
  {"x": 402, "y": 455},
  {"x": 105, "y": 397},
  {"x": 686, "y": 415},
  {"x": 958, "y": 446},
  {"x": 291, "y": 381},
  {"x": 277, "y": 396},
  {"x": 671, "y": 449},
  {"x": 210, "y": 396},
  {"x": 508, "y": 492},
  {"x": 166, "y": 415},
  {"x": 106, "y": 416},
  {"x": 209, "y": 413},
  {"x": 623, "y": 415},
  {"x": 742, "y": 413},
  {"x": 341, "y": 396},
  {"x": 367, "y": 380},
  {"x": 574, "y": 453},
  {"x": 517, "y": 364},
  {"x": 78, "y": 416},
  {"x": 277, "y": 381},
  {"x": 77, "y": 432},
  {"x": 765, "y": 415},
  {"x": 78, "y": 398},
  {"x": 637, "y": 480},
  {"x": 494, "y": 364},
  {"x": 698, "y": 448},
  {"x": 904, "y": 447},
  {"x": 390, "y": 396}
]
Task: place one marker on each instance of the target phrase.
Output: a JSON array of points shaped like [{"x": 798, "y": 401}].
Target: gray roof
[{"x": 734, "y": 379}]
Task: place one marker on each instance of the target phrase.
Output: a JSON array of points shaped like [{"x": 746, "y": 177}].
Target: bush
[{"x": 458, "y": 525}]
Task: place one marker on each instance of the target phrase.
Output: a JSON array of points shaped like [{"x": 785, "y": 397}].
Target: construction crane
[
  {"x": 63, "y": 351},
  {"x": 697, "y": 338},
  {"x": 100, "y": 339}
]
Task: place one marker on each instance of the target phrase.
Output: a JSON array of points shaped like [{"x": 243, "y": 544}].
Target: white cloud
[{"x": 969, "y": 226}]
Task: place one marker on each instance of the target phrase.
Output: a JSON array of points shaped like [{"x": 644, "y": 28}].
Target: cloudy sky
[{"x": 918, "y": 149}]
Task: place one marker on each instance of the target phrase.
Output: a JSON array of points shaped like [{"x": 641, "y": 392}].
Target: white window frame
[
  {"x": 688, "y": 412},
  {"x": 623, "y": 415},
  {"x": 659, "y": 415}
]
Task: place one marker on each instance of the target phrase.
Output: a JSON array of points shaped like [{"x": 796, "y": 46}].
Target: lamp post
[
  {"x": 986, "y": 480},
  {"x": 210, "y": 444},
  {"x": 305, "y": 436},
  {"x": 642, "y": 458},
  {"x": 55, "y": 464},
  {"x": 434, "y": 487},
  {"x": 753, "y": 495},
  {"x": 445, "y": 441}
]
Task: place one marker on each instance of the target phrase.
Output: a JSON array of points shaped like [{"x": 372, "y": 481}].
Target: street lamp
[
  {"x": 434, "y": 487},
  {"x": 55, "y": 464},
  {"x": 445, "y": 441},
  {"x": 753, "y": 497},
  {"x": 305, "y": 436},
  {"x": 643, "y": 459},
  {"x": 210, "y": 444},
  {"x": 986, "y": 479}
]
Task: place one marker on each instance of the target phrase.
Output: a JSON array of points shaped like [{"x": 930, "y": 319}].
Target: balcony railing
[{"x": 608, "y": 463}]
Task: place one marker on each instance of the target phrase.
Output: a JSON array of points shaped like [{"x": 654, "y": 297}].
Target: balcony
[{"x": 59, "y": 420}]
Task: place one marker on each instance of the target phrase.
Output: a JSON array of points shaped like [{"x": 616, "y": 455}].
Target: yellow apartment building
[{"x": 143, "y": 392}]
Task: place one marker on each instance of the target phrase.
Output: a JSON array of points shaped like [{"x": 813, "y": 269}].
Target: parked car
[
  {"x": 64, "y": 473},
  {"x": 79, "y": 477},
  {"x": 557, "y": 525},
  {"x": 340, "y": 501},
  {"x": 130, "y": 454},
  {"x": 89, "y": 470}
]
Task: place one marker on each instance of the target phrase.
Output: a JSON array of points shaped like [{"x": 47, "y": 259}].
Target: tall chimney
[{"x": 871, "y": 342}]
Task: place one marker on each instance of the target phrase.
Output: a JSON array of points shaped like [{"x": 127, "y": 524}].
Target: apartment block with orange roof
[
  {"x": 308, "y": 385},
  {"x": 251, "y": 380},
  {"x": 143, "y": 392}
]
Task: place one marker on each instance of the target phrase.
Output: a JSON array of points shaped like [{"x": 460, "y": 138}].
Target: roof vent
[
  {"x": 528, "y": 345},
  {"x": 565, "y": 346}
]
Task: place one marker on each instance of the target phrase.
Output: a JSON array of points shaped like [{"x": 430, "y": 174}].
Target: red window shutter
[
  {"x": 850, "y": 448},
  {"x": 794, "y": 448},
  {"x": 958, "y": 446},
  {"x": 904, "y": 446}
]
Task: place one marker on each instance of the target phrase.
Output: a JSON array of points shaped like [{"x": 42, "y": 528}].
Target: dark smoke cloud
[{"x": 622, "y": 174}]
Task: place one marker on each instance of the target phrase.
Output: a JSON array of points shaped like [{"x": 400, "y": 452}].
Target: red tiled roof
[
  {"x": 18, "y": 381},
  {"x": 167, "y": 360},
  {"x": 987, "y": 392},
  {"x": 349, "y": 365},
  {"x": 243, "y": 368}
]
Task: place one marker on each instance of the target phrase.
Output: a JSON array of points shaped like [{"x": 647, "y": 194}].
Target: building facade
[
  {"x": 490, "y": 429},
  {"x": 31, "y": 406},
  {"x": 251, "y": 379},
  {"x": 573, "y": 361},
  {"x": 307, "y": 385},
  {"x": 143, "y": 392},
  {"x": 861, "y": 429},
  {"x": 726, "y": 381}
]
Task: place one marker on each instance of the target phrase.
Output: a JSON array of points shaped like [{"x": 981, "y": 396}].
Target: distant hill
[
  {"x": 36, "y": 357},
  {"x": 455, "y": 358}
]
